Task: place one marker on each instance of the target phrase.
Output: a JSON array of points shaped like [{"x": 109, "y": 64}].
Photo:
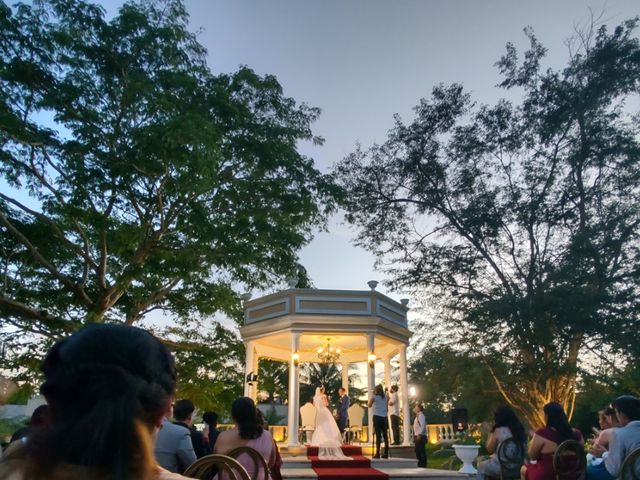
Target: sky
[{"x": 362, "y": 61}]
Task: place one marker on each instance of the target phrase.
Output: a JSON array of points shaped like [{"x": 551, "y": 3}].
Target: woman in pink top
[{"x": 248, "y": 431}]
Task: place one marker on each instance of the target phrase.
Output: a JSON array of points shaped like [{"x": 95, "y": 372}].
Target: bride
[{"x": 326, "y": 435}]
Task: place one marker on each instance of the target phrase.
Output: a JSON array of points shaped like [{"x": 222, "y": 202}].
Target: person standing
[
  {"x": 343, "y": 410},
  {"x": 420, "y": 436},
  {"x": 380, "y": 423},
  {"x": 211, "y": 419},
  {"x": 394, "y": 410}
]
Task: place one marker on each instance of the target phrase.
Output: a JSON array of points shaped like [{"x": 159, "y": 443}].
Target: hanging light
[{"x": 328, "y": 353}]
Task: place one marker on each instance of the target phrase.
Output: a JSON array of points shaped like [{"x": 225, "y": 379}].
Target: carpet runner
[{"x": 357, "y": 469}]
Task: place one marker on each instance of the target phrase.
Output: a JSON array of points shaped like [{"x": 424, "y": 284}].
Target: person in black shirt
[{"x": 211, "y": 419}]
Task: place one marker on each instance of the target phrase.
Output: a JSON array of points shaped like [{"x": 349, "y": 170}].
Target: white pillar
[
  {"x": 371, "y": 383},
  {"x": 345, "y": 377},
  {"x": 294, "y": 394},
  {"x": 387, "y": 384},
  {"x": 404, "y": 395},
  {"x": 248, "y": 365}
]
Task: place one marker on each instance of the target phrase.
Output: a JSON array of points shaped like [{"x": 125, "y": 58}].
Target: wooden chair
[
  {"x": 308, "y": 418},
  {"x": 630, "y": 466},
  {"x": 570, "y": 461},
  {"x": 206, "y": 467},
  {"x": 261, "y": 468},
  {"x": 511, "y": 457},
  {"x": 356, "y": 419}
]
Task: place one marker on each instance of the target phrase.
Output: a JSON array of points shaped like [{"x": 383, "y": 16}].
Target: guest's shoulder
[{"x": 167, "y": 475}]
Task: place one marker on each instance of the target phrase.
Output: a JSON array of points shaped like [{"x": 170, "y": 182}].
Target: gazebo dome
[{"x": 292, "y": 325}]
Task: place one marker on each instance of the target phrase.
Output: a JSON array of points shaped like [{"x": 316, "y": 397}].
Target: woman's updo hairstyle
[
  {"x": 107, "y": 385},
  {"x": 245, "y": 414}
]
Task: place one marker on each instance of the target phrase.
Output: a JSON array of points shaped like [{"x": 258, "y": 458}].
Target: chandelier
[{"x": 328, "y": 354}]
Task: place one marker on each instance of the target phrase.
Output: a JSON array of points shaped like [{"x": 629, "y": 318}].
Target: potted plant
[{"x": 467, "y": 447}]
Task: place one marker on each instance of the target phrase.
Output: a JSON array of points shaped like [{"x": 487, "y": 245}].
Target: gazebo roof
[{"x": 343, "y": 316}]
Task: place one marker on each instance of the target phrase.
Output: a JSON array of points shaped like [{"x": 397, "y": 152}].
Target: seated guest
[
  {"x": 173, "y": 448},
  {"x": 623, "y": 440},
  {"x": 608, "y": 421},
  {"x": 211, "y": 421},
  {"x": 248, "y": 431},
  {"x": 183, "y": 416},
  {"x": 107, "y": 387},
  {"x": 39, "y": 418},
  {"x": 505, "y": 425},
  {"x": 545, "y": 442}
]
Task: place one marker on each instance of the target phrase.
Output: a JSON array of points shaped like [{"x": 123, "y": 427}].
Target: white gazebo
[{"x": 292, "y": 325}]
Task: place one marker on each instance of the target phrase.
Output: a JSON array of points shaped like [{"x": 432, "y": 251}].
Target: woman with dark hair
[
  {"x": 545, "y": 442},
  {"x": 248, "y": 431},
  {"x": 108, "y": 388},
  {"x": 379, "y": 403},
  {"x": 505, "y": 425}
]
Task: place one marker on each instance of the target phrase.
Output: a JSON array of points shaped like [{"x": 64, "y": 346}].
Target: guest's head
[
  {"x": 245, "y": 416},
  {"x": 108, "y": 387},
  {"x": 557, "y": 420},
  {"x": 341, "y": 391},
  {"x": 211, "y": 419},
  {"x": 322, "y": 389},
  {"x": 611, "y": 417},
  {"x": 505, "y": 416},
  {"x": 183, "y": 411},
  {"x": 394, "y": 388},
  {"x": 418, "y": 408},
  {"x": 627, "y": 409},
  {"x": 378, "y": 390},
  {"x": 41, "y": 417}
]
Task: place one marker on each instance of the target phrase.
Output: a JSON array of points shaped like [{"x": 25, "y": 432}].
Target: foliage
[
  {"x": 273, "y": 378},
  {"x": 313, "y": 375},
  {"x": 139, "y": 181},
  {"x": 9, "y": 425},
  {"x": 448, "y": 378},
  {"x": 209, "y": 363},
  {"x": 467, "y": 437},
  {"x": 518, "y": 223}
]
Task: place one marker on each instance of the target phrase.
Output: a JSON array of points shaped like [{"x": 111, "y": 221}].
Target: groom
[{"x": 343, "y": 409}]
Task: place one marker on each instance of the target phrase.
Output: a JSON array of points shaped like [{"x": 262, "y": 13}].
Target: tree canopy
[
  {"x": 138, "y": 180},
  {"x": 518, "y": 222}
]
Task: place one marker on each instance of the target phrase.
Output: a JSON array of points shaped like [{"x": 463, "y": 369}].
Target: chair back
[
  {"x": 206, "y": 467},
  {"x": 631, "y": 466},
  {"x": 356, "y": 415},
  {"x": 569, "y": 461},
  {"x": 511, "y": 457},
  {"x": 261, "y": 468},
  {"x": 308, "y": 415}
]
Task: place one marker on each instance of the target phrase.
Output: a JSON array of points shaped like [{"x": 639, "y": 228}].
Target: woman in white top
[{"x": 506, "y": 425}]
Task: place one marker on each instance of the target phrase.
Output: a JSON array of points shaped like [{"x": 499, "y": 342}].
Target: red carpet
[{"x": 357, "y": 469}]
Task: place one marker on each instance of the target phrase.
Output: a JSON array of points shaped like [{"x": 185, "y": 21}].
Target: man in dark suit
[{"x": 343, "y": 410}]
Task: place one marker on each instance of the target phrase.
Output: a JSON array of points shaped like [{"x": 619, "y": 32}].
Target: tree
[
  {"x": 447, "y": 378},
  {"x": 273, "y": 378},
  {"x": 138, "y": 180},
  {"x": 517, "y": 222},
  {"x": 313, "y": 375}
]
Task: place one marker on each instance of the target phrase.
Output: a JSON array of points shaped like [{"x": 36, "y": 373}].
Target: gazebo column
[
  {"x": 371, "y": 382},
  {"x": 387, "y": 384},
  {"x": 404, "y": 394},
  {"x": 345, "y": 376},
  {"x": 294, "y": 394},
  {"x": 248, "y": 365}
]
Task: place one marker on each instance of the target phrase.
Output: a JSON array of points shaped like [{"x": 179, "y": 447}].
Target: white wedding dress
[{"x": 327, "y": 434}]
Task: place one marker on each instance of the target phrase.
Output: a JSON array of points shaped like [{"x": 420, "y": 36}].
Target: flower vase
[{"x": 467, "y": 454}]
